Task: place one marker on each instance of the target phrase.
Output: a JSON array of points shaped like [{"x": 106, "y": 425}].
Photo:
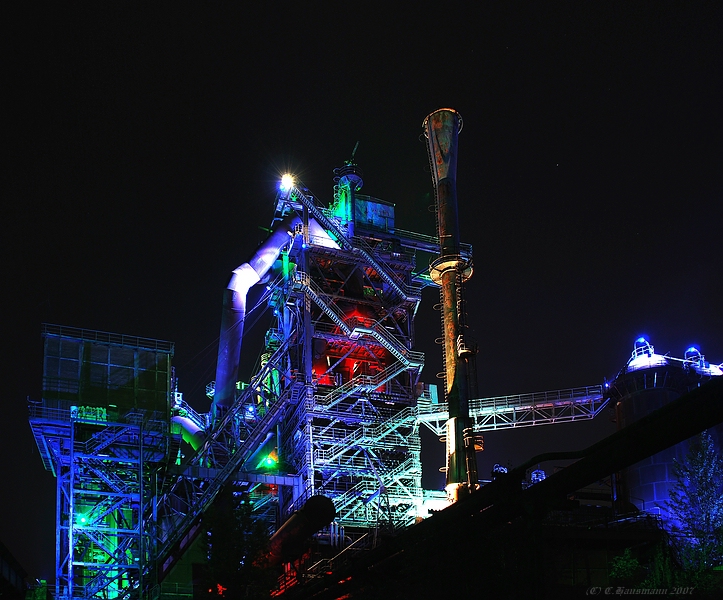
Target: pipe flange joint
[{"x": 455, "y": 262}]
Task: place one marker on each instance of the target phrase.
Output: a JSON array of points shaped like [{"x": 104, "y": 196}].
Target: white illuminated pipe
[
  {"x": 191, "y": 432},
  {"x": 243, "y": 278}
]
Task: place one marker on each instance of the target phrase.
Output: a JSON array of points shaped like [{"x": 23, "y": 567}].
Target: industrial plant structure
[
  {"x": 334, "y": 408},
  {"x": 648, "y": 382}
]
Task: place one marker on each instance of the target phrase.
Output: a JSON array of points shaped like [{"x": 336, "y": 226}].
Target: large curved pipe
[
  {"x": 243, "y": 278},
  {"x": 233, "y": 316}
]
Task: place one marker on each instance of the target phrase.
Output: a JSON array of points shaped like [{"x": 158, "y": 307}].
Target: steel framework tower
[
  {"x": 352, "y": 436},
  {"x": 334, "y": 407},
  {"x": 103, "y": 429},
  {"x": 334, "y": 399}
]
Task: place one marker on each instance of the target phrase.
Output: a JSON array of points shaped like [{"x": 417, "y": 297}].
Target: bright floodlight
[{"x": 287, "y": 182}]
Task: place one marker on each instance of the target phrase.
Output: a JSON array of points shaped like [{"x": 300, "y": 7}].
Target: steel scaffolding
[
  {"x": 352, "y": 435},
  {"x": 103, "y": 430},
  {"x": 334, "y": 407}
]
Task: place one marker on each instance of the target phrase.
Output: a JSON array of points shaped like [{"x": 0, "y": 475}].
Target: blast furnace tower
[
  {"x": 333, "y": 408},
  {"x": 344, "y": 297}
]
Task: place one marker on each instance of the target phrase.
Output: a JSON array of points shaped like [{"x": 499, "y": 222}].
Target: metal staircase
[
  {"x": 363, "y": 436},
  {"x": 213, "y": 465},
  {"x": 400, "y": 289}
]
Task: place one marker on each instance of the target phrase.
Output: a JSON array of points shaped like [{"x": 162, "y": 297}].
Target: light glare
[{"x": 287, "y": 182}]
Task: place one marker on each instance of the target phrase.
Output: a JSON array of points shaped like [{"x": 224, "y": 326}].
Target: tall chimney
[{"x": 449, "y": 271}]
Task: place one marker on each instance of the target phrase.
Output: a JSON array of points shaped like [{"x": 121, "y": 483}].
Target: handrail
[
  {"x": 318, "y": 213},
  {"x": 410, "y": 357},
  {"x": 361, "y": 382},
  {"x": 531, "y": 400},
  {"x": 522, "y": 409},
  {"x": 366, "y": 485},
  {"x": 104, "y": 337},
  {"x": 361, "y": 434}
]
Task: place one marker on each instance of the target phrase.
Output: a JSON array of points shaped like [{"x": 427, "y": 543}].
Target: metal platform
[{"x": 521, "y": 410}]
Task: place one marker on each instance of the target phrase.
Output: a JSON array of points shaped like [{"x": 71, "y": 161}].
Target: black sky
[{"x": 144, "y": 141}]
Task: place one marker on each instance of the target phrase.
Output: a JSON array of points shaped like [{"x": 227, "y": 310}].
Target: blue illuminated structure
[
  {"x": 102, "y": 428},
  {"x": 334, "y": 407},
  {"x": 647, "y": 382},
  {"x": 337, "y": 400}
]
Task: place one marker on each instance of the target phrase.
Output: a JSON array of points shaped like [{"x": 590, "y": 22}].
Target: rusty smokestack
[{"x": 449, "y": 271}]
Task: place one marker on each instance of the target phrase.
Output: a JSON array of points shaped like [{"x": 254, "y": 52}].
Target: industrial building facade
[{"x": 333, "y": 409}]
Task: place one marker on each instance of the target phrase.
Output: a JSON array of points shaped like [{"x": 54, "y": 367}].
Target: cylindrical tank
[{"x": 645, "y": 384}]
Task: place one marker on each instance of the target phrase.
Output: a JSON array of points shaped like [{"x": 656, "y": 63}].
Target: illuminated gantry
[{"x": 521, "y": 410}]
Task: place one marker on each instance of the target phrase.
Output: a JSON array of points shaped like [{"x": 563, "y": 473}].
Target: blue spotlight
[{"x": 693, "y": 353}]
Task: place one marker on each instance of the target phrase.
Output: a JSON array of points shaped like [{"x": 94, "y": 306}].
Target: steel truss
[
  {"x": 354, "y": 436},
  {"x": 521, "y": 410},
  {"x": 99, "y": 432}
]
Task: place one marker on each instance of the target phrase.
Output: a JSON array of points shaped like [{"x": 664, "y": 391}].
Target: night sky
[{"x": 143, "y": 145}]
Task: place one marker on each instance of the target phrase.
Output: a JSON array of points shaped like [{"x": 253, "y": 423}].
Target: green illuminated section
[
  {"x": 270, "y": 461},
  {"x": 342, "y": 202},
  {"x": 271, "y": 388},
  {"x": 97, "y": 545},
  {"x": 285, "y": 265}
]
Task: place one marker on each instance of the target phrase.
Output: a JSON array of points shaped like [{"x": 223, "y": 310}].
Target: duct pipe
[
  {"x": 243, "y": 278},
  {"x": 449, "y": 271},
  {"x": 288, "y": 542},
  {"x": 190, "y": 432}
]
